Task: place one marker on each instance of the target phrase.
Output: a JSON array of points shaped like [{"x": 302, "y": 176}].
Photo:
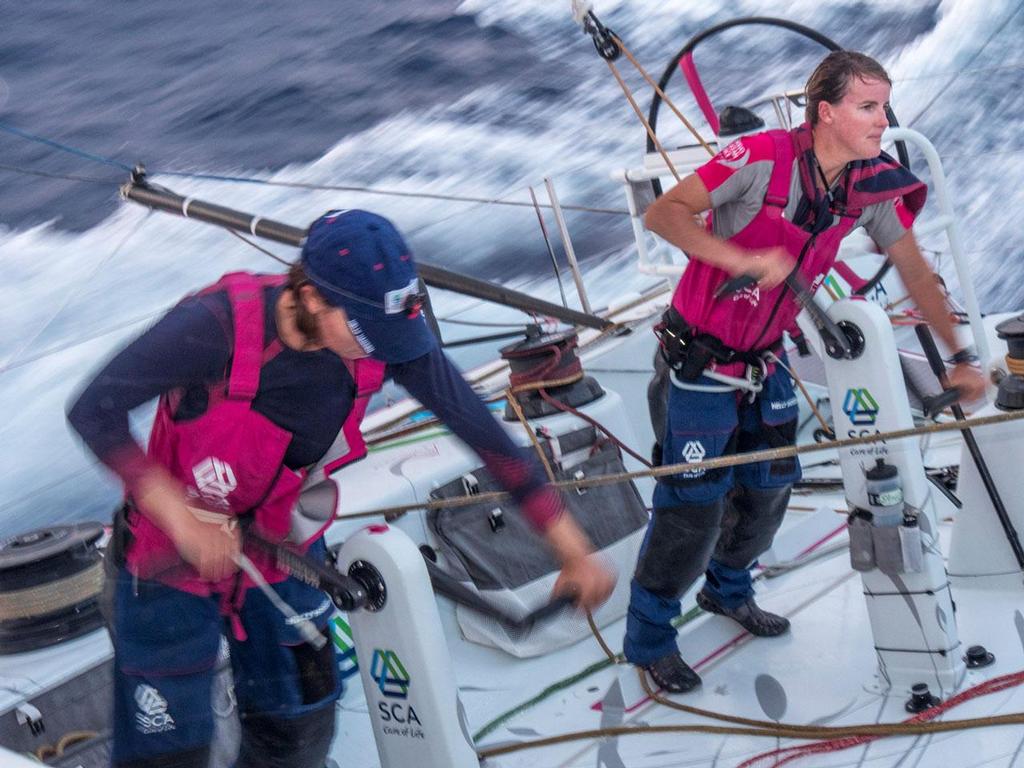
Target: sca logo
[
  {"x": 397, "y": 718},
  {"x": 215, "y": 480},
  {"x": 860, "y": 406},
  {"x": 152, "y": 716},
  {"x": 389, "y": 673},
  {"x": 694, "y": 451}
]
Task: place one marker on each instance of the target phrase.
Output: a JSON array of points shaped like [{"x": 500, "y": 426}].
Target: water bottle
[{"x": 885, "y": 494}]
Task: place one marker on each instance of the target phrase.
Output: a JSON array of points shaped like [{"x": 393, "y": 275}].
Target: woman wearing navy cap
[{"x": 258, "y": 377}]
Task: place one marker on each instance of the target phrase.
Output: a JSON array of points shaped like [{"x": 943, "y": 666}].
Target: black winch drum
[{"x": 50, "y": 583}]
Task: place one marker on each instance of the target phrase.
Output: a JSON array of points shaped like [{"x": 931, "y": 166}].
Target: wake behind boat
[{"x": 484, "y": 675}]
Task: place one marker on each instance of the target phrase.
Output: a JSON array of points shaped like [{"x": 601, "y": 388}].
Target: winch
[
  {"x": 51, "y": 581},
  {"x": 547, "y": 364},
  {"x": 979, "y": 546}
]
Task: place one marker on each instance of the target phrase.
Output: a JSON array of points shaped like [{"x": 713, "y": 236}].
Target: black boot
[
  {"x": 672, "y": 674},
  {"x": 748, "y": 615}
]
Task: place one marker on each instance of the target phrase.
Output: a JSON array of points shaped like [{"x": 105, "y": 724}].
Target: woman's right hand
[
  {"x": 212, "y": 548},
  {"x": 209, "y": 542},
  {"x": 771, "y": 266},
  {"x": 585, "y": 576}
]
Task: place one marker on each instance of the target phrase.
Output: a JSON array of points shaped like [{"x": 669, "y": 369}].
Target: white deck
[{"x": 826, "y": 667}]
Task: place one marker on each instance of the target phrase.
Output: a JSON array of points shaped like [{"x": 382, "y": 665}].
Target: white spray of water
[{"x": 65, "y": 288}]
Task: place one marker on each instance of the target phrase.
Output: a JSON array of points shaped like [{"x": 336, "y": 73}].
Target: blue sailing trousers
[
  {"x": 165, "y": 654},
  {"x": 718, "y": 521}
]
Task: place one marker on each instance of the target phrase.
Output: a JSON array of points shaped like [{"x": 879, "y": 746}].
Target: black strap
[{"x": 703, "y": 345}]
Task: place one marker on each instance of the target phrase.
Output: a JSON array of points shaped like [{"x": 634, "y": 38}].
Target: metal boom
[{"x": 137, "y": 190}]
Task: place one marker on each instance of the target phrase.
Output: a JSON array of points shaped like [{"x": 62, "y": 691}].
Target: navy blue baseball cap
[{"x": 358, "y": 261}]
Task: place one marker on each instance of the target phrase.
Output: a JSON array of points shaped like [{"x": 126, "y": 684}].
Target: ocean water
[{"x": 477, "y": 98}]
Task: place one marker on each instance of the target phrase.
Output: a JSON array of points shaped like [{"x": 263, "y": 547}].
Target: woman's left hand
[{"x": 969, "y": 381}]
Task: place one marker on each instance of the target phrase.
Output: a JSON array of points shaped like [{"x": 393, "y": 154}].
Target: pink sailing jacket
[
  {"x": 741, "y": 324},
  {"x": 231, "y": 459}
]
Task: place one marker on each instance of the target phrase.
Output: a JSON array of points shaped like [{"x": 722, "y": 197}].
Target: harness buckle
[{"x": 755, "y": 374}]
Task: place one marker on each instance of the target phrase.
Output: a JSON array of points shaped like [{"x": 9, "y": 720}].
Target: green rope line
[
  {"x": 597, "y": 666},
  {"x": 553, "y": 688},
  {"x": 407, "y": 441}
]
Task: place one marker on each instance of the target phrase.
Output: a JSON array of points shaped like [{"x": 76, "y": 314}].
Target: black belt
[{"x": 688, "y": 353}]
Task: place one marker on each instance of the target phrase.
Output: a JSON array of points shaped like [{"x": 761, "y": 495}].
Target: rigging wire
[
  {"x": 478, "y": 323},
  {"x": 64, "y": 176},
  {"x": 63, "y": 147},
  {"x": 9, "y": 363},
  {"x": 82, "y": 340},
  {"x": 258, "y": 247},
  {"x": 995, "y": 33},
  {"x": 386, "y": 192}
]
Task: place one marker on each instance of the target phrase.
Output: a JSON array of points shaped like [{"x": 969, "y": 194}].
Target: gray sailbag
[{"x": 491, "y": 549}]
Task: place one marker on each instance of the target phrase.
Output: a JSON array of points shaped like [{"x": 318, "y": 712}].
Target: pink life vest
[
  {"x": 231, "y": 459},
  {"x": 755, "y": 319}
]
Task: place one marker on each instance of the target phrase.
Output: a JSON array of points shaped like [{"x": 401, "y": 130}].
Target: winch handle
[
  {"x": 446, "y": 584},
  {"x": 556, "y": 605},
  {"x": 837, "y": 343},
  {"x": 346, "y": 593},
  {"x": 735, "y": 285},
  {"x": 936, "y": 404}
]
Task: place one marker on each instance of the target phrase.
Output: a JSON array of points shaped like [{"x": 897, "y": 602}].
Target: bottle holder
[
  {"x": 862, "y": 548},
  {"x": 892, "y": 549}
]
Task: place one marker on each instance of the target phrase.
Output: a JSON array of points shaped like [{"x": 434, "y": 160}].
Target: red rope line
[{"x": 789, "y": 754}]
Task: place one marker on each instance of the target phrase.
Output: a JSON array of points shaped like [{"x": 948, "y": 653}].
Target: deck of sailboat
[{"x": 825, "y": 672}]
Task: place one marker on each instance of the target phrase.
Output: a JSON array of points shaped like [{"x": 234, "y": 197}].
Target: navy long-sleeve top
[{"x": 308, "y": 393}]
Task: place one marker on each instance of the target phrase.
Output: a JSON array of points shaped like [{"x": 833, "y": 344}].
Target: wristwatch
[{"x": 965, "y": 356}]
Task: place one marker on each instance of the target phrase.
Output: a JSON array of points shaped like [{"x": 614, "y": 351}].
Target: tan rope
[
  {"x": 600, "y": 639},
  {"x": 647, "y": 126},
  {"x": 46, "y": 752},
  {"x": 893, "y": 304},
  {"x": 74, "y": 737},
  {"x": 770, "y": 454},
  {"x": 53, "y": 596},
  {"x": 514, "y": 403},
  {"x": 788, "y": 728},
  {"x": 1015, "y": 366},
  {"x": 807, "y": 396},
  {"x": 546, "y": 384},
  {"x": 809, "y": 733},
  {"x": 664, "y": 97}
]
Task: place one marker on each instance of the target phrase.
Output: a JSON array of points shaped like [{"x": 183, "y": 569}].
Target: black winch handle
[
  {"x": 447, "y": 585},
  {"x": 346, "y": 593},
  {"x": 556, "y": 605},
  {"x": 735, "y": 285},
  {"x": 936, "y": 404},
  {"x": 837, "y": 343}
]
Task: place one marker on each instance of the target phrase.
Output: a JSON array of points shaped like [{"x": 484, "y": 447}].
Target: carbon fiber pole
[{"x": 436, "y": 277}]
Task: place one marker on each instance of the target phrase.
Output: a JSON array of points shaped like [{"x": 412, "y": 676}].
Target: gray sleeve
[
  {"x": 882, "y": 223},
  {"x": 737, "y": 200},
  {"x": 750, "y": 178}
]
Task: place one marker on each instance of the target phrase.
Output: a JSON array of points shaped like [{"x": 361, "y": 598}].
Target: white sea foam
[{"x": 63, "y": 289}]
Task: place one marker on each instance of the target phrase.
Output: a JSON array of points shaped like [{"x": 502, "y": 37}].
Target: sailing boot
[
  {"x": 672, "y": 674},
  {"x": 748, "y": 615}
]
